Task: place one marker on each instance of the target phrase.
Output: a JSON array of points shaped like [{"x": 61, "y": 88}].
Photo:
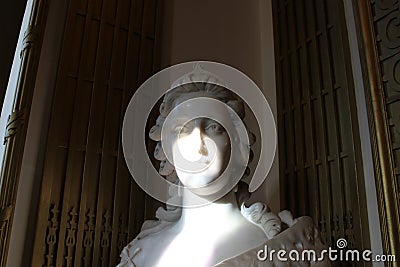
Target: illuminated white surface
[
  {"x": 190, "y": 146},
  {"x": 202, "y": 237}
]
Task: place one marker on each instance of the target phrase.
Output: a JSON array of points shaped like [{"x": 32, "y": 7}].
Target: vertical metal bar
[
  {"x": 321, "y": 161},
  {"x": 314, "y": 201},
  {"x": 101, "y": 191},
  {"x": 278, "y": 38},
  {"x": 138, "y": 74},
  {"x": 297, "y": 108},
  {"x": 136, "y": 196},
  {"x": 112, "y": 88},
  {"x": 289, "y": 123},
  {"x": 65, "y": 208},
  {"x": 356, "y": 214},
  {"x": 333, "y": 134},
  {"x": 119, "y": 179},
  {"x": 87, "y": 179},
  {"x": 48, "y": 203}
]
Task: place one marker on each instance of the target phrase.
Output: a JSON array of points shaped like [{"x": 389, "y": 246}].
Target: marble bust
[{"x": 225, "y": 231}]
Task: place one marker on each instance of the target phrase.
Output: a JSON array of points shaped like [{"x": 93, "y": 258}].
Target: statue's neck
[{"x": 213, "y": 215}]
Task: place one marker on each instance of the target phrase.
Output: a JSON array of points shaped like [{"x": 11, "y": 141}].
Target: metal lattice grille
[
  {"x": 320, "y": 157},
  {"x": 90, "y": 207}
]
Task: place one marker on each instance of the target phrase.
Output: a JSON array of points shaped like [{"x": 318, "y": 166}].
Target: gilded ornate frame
[{"x": 384, "y": 161}]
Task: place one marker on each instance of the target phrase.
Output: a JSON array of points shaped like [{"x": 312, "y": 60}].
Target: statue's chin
[
  {"x": 213, "y": 190},
  {"x": 194, "y": 184}
]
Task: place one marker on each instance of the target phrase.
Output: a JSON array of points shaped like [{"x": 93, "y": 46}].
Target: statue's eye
[
  {"x": 182, "y": 129},
  {"x": 214, "y": 128}
]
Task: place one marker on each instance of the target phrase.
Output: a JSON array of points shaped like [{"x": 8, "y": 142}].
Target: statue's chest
[{"x": 177, "y": 251}]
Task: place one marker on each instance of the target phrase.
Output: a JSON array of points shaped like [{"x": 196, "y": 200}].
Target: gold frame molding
[
  {"x": 387, "y": 189},
  {"x": 17, "y": 124}
]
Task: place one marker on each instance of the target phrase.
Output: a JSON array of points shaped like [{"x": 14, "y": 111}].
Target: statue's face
[{"x": 203, "y": 144}]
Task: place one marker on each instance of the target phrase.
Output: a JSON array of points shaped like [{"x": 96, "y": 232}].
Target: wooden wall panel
[
  {"x": 319, "y": 144},
  {"x": 90, "y": 207}
]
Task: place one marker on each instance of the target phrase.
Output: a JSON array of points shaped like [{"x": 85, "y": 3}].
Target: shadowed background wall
[{"x": 234, "y": 33}]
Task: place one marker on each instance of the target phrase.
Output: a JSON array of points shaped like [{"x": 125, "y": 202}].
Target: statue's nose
[
  {"x": 190, "y": 145},
  {"x": 196, "y": 137}
]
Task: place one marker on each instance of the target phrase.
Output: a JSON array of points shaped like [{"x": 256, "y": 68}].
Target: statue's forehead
[
  {"x": 197, "y": 104},
  {"x": 189, "y": 95}
]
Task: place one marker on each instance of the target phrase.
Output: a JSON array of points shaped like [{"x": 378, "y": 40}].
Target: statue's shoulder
[
  {"x": 301, "y": 231},
  {"x": 147, "y": 245},
  {"x": 259, "y": 214},
  {"x": 151, "y": 234}
]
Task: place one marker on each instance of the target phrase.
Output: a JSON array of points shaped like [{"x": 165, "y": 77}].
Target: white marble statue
[{"x": 224, "y": 232}]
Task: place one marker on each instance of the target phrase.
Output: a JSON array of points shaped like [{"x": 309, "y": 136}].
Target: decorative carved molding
[
  {"x": 51, "y": 238},
  {"x": 88, "y": 237},
  {"x": 336, "y": 227},
  {"x": 30, "y": 36},
  {"x": 390, "y": 36},
  {"x": 87, "y": 242},
  {"x": 15, "y": 120},
  {"x": 349, "y": 229},
  {"x": 385, "y": 4},
  {"x": 70, "y": 240},
  {"x": 392, "y": 77},
  {"x": 105, "y": 237},
  {"x": 122, "y": 233},
  {"x": 5, "y": 215}
]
